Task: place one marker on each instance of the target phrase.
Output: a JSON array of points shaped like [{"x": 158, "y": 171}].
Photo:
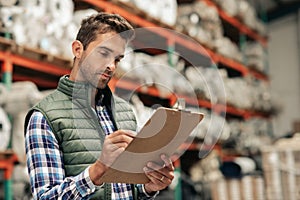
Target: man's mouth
[{"x": 106, "y": 74}]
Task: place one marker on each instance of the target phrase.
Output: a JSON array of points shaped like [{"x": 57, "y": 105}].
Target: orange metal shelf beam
[
  {"x": 259, "y": 75},
  {"x": 33, "y": 64},
  {"x": 236, "y": 111},
  {"x": 240, "y": 26}
]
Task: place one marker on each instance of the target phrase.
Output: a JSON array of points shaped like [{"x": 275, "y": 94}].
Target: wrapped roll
[
  {"x": 81, "y": 14},
  {"x": 7, "y": 2},
  {"x": 3, "y": 94},
  {"x": 151, "y": 7},
  {"x": 229, "y": 6},
  {"x": 35, "y": 8},
  {"x": 22, "y": 96},
  {"x": 5, "y": 128},
  {"x": 61, "y": 11},
  {"x": 165, "y": 11},
  {"x": 168, "y": 11}
]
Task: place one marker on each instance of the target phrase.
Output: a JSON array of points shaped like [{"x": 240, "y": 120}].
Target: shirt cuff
[
  {"x": 143, "y": 194},
  {"x": 84, "y": 184}
]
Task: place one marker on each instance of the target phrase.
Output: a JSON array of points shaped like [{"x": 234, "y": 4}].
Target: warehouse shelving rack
[
  {"x": 172, "y": 39},
  {"x": 11, "y": 57},
  {"x": 239, "y": 25}
]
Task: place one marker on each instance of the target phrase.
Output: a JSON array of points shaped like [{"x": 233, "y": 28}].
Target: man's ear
[{"x": 77, "y": 49}]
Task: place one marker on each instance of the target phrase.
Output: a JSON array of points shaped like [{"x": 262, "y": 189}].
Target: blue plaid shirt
[{"x": 46, "y": 169}]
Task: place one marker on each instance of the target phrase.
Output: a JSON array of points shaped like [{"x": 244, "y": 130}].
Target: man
[{"x": 75, "y": 134}]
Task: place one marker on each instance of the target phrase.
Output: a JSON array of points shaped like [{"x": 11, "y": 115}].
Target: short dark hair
[{"x": 101, "y": 23}]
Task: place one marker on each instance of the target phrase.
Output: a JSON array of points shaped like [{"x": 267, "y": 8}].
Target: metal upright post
[{"x": 7, "y": 70}]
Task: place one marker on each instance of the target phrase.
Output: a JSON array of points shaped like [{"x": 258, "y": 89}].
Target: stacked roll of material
[
  {"x": 229, "y": 6},
  {"x": 52, "y": 22},
  {"x": 281, "y": 165},
  {"x": 262, "y": 100},
  {"x": 206, "y": 169},
  {"x": 248, "y": 15},
  {"x": 21, "y": 97},
  {"x": 248, "y": 136},
  {"x": 207, "y": 83},
  {"x": 7, "y": 16},
  {"x": 5, "y": 128},
  {"x": 243, "y": 10},
  {"x": 7, "y": 2},
  {"x": 212, "y": 128},
  {"x": 238, "y": 93},
  {"x": 61, "y": 11},
  {"x": 200, "y": 21},
  {"x": 248, "y": 93},
  {"x": 249, "y": 187},
  {"x": 227, "y": 48},
  {"x": 164, "y": 11},
  {"x": 255, "y": 56}
]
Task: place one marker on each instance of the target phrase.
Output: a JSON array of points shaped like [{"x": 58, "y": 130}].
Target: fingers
[
  {"x": 157, "y": 177},
  {"x": 158, "y": 172},
  {"x": 160, "y": 176},
  {"x": 121, "y": 135},
  {"x": 114, "y": 144},
  {"x": 120, "y": 139},
  {"x": 167, "y": 162},
  {"x": 159, "y": 180},
  {"x": 163, "y": 173}
]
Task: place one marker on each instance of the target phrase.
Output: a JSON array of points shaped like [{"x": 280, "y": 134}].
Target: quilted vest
[{"x": 76, "y": 125}]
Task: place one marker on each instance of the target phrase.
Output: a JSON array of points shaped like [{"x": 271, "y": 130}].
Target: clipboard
[{"x": 163, "y": 133}]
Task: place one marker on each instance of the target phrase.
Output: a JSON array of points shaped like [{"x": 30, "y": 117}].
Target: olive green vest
[{"x": 77, "y": 128}]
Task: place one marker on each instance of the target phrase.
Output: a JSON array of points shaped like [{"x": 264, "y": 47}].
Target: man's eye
[{"x": 104, "y": 54}]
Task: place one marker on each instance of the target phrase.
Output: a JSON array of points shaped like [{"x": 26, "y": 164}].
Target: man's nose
[{"x": 111, "y": 66}]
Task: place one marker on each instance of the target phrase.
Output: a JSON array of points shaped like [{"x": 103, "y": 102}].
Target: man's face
[{"x": 99, "y": 61}]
